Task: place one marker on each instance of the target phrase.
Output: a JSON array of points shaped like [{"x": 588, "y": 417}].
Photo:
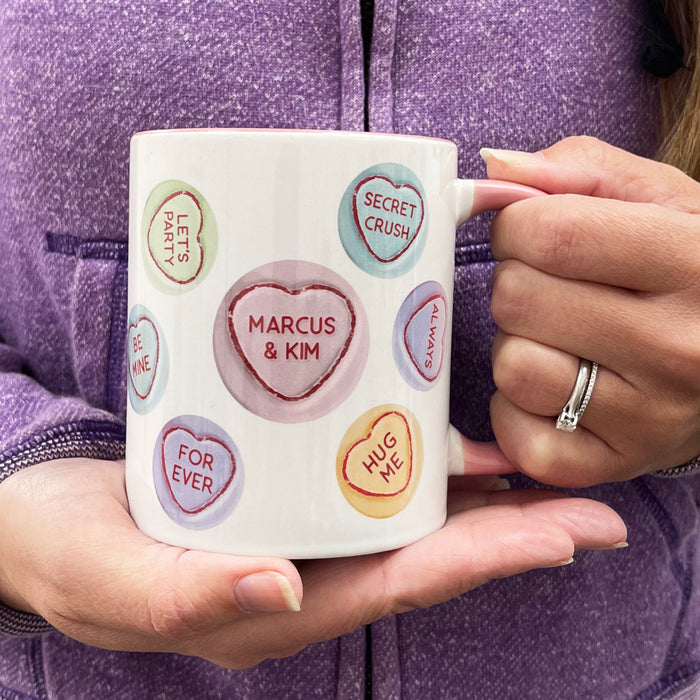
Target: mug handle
[
  {"x": 475, "y": 196},
  {"x": 471, "y": 198}
]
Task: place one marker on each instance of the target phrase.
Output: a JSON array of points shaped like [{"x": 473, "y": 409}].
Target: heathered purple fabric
[{"x": 78, "y": 77}]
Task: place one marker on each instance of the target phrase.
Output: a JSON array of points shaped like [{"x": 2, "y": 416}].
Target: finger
[
  {"x": 477, "y": 483},
  {"x": 605, "y": 324},
  {"x": 496, "y": 538},
  {"x": 555, "y": 457},
  {"x": 192, "y": 591},
  {"x": 539, "y": 380},
  {"x": 455, "y": 559},
  {"x": 533, "y": 376},
  {"x": 590, "y": 524},
  {"x": 462, "y": 556},
  {"x": 512, "y": 533},
  {"x": 587, "y": 166},
  {"x": 166, "y": 595},
  {"x": 469, "y": 457},
  {"x": 636, "y": 246}
]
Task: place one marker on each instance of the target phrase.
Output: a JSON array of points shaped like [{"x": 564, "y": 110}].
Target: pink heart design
[
  {"x": 291, "y": 340},
  {"x": 144, "y": 353},
  {"x": 381, "y": 464},
  {"x": 197, "y": 470},
  {"x": 424, "y": 336},
  {"x": 388, "y": 217}
]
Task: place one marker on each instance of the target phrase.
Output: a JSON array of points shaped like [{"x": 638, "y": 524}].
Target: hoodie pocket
[{"x": 94, "y": 305}]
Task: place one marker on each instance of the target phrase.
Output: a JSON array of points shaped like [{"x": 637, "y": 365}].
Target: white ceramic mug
[{"x": 290, "y": 297}]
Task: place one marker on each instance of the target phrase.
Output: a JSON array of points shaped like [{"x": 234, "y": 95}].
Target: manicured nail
[
  {"x": 562, "y": 562},
  {"x": 616, "y": 545},
  {"x": 266, "y": 592},
  {"x": 510, "y": 157},
  {"x": 455, "y": 451}
]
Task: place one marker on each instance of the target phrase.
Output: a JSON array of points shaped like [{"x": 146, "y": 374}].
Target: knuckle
[
  {"x": 172, "y": 614},
  {"x": 681, "y": 354},
  {"x": 552, "y": 239},
  {"x": 538, "y": 458},
  {"x": 589, "y": 147},
  {"x": 511, "y": 296},
  {"x": 511, "y": 370}
]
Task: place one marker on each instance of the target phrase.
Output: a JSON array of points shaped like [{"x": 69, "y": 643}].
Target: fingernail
[
  {"x": 455, "y": 451},
  {"x": 510, "y": 157},
  {"x": 501, "y": 484},
  {"x": 266, "y": 592},
  {"x": 617, "y": 545},
  {"x": 564, "y": 562}
]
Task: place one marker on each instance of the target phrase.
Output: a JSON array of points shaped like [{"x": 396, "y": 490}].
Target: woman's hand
[
  {"x": 607, "y": 270},
  {"x": 70, "y": 552}
]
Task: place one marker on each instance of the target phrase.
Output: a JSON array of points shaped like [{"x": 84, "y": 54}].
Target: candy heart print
[
  {"x": 291, "y": 340},
  {"x": 144, "y": 354},
  {"x": 197, "y": 470},
  {"x": 381, "y": 464},
  {"x": 424, "y": 336},
  {"x": 388, "y": 217},
  {"x": 174, "y": 237}
]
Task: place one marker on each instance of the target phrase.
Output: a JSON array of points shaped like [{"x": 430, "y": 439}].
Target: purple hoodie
[{"x": 78, "y": 77}]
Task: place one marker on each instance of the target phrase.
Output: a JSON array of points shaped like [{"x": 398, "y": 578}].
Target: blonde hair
[{"x": 680, "y": 94}]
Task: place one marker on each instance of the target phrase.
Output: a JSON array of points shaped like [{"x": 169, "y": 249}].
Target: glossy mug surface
[{"x": 290, "y": 307}]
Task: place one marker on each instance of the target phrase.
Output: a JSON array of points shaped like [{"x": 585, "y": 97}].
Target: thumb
[
  {"x": 190, "y": 591},
  {"x": 587, "y": 166},
  {"x": 166, "y": 596}
]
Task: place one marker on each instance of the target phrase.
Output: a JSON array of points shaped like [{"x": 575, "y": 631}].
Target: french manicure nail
[
  {"x": 616, "y": 545},
  {"x": 510, "y": 157},
  {"x": 455, "y": 451},
  {"x": 265, "y": 592}
]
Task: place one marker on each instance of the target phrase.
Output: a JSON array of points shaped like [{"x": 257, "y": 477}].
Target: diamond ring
[{"x": 580, "y": 396}]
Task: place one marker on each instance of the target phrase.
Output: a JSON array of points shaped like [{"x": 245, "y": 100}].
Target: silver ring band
[{"x": 580, "y": 396}]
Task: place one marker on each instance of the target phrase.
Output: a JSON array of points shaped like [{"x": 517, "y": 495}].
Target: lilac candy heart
[
  {"x": 424, "y": 336},
  {"x": 197, "y": 470}
]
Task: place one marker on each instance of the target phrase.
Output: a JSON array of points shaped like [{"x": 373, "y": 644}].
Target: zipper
[
  {"x": 368, "y": 662},
  {"x": 367, "y": 21}
]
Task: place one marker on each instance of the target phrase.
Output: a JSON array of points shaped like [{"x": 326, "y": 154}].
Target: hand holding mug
[
  {"x": 605, "y": 269},
  {"x": 105, "y": 583}
]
